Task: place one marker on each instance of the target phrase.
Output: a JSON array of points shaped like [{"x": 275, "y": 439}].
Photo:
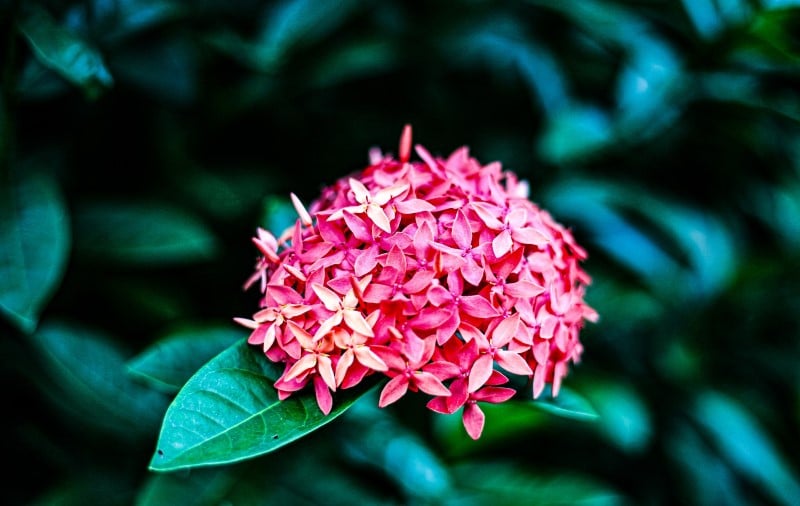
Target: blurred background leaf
[{"x": 35, "y": 233}]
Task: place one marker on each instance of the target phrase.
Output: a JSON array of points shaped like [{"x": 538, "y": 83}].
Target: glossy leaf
[
  {"x": 61, "y": 50},
  {"x": 229, "y": 411},
  {"x": 138, "y": 233},
  {"x": 34, "y": 245},
  {"x": 89, "y": 379},
  {"x": 170, "y": 362}
]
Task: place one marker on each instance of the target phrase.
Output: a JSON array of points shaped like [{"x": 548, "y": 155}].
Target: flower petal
[
  {"x": 502, "y": 243},
  {"x": 356, "y": 321},
  {"x": 523, "y": 289},
  {"x": 306, "y": 363},
  {"x": 429, "y": 383},
  {"x": 394, "y": 390},
  {"x": 359, "y": 191},
  {"x": 325, "y": 368},
  {"x": 473, "y": 419},
  {"x": 512, "y": 362},
  {"x": 477, "y": 306},
  {"x": 305, "y": 218},
  {"x": 366, "y": 261},
  {"x": 413, "y": 206},
  {"x": 358, "y": 226},
  {"x": 488, "y": 215},
  {"x": 328, "y": 297},
  {"x": 404, "y": 153},
  {"x": 505, "y": 331},
  {"x": 370, "y": 359},
  {"x": 480, "y": 372},
  {"x": 494, "y": 394},
  {"x": 324, "y": 397},
  {"x": 344, "y": 363},
  {"x": 462, "y": 233}
]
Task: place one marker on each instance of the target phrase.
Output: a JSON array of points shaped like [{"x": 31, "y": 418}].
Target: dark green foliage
[{"x": 143, "y": 141}]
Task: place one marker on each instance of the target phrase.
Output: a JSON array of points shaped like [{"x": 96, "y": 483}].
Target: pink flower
[{"x": 437, "y": 274}]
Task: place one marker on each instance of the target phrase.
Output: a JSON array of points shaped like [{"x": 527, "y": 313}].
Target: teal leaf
[
  {"x": 170, "y": 362},
  {"x": 746, "y": 446},
  {"x": 34, "y": 245},
  {"x": 138, "y": 233},
  {"x": 63, "y": 51},
  {"x": 229, "y": 411},
  {"x": 89, "y": 380},
  {"x": 567, "y": 404}
]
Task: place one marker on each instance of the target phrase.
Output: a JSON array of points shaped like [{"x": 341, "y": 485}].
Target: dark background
[{"x": 143, "y": 141}]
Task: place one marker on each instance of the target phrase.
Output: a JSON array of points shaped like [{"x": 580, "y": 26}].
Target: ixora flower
[{"x": 439, "y": 274}]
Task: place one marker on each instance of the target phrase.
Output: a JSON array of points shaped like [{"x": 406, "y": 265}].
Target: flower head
[{"x": 438, "y": 274}]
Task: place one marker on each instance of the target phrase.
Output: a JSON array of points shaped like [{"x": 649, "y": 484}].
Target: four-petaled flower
[{"x": 438, "y": 274}]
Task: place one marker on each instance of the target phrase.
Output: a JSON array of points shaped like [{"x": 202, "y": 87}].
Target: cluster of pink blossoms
[{"x": 439, "y": 274}]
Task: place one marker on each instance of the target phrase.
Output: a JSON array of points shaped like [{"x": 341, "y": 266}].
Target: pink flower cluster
[{"x": 437, "y": 273}]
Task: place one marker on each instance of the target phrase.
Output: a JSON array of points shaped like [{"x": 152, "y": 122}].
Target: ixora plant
[{"x": 437, "y": 274}]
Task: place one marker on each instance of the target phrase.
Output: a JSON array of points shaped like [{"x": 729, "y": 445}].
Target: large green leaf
[
  {"x": 34, "y": 245},
  {"x": 140, "y": 233},
  {"x": 89, "y": 381},
  {"x": 61, "y": 50},
  {"x": 229, "y": 412},
  {"x": 169, "y": 363}
]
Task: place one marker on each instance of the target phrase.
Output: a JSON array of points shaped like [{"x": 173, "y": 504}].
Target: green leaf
[
  {"x": 61, "y": 50},
  {"x": 568, "y": 404},
  {"x": 89, "y": 380},
  {"x": 229, "y": 412},
  {"x": 34, "y": 245},
  {"x": 138, "y": 233},
  {"x": 170, "y": 362}
]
